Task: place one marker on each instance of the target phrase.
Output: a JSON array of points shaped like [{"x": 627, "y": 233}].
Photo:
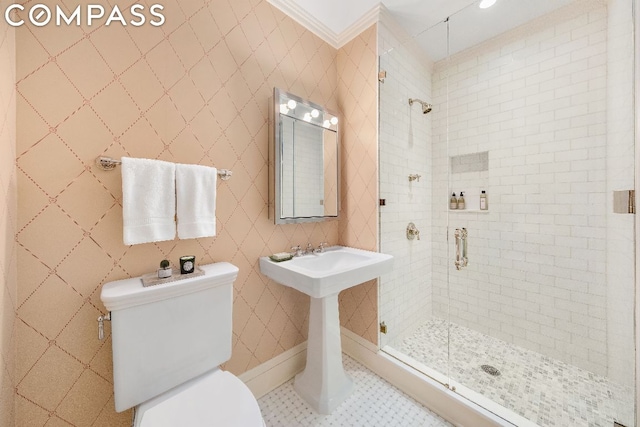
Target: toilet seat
[{"x": 215, "y": 399}]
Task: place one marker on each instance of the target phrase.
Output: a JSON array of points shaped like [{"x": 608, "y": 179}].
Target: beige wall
[
  {"x": 8, "y": 206},
  {"x": 194, "y": 91},
  {"x": 358, "y": 100}
]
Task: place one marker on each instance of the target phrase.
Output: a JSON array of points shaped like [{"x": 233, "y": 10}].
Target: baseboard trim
[{"x": 275, "y": 372}]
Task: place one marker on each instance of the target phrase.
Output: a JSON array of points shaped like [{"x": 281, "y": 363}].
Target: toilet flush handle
[{"x": 101, "y": 320}]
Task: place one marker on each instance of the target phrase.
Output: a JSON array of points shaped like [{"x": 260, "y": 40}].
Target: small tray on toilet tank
[{"x": 152, "y": 279}]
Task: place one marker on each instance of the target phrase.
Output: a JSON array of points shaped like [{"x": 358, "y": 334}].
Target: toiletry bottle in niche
[
  {"x": 483, "y": 201},
  {"x": 461, "y": 201},
  {"x": 453, "y": 203}
]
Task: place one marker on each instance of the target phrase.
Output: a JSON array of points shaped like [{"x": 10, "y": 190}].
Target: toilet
[{"x": 168, "y": 342}]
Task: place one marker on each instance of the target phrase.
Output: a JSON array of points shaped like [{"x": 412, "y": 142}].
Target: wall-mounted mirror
[{"x": 304, "y": 161}]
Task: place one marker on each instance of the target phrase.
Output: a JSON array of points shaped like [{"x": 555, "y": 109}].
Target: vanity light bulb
[
  {"x": 292, "y": 104},
  {"x": 315, "y": 113},
  {"x": 326, "y": 123},
  {"x": 307, "y": 117},
  {"x": 284, "y": 109},
  {"x": 334, "y": 121}
]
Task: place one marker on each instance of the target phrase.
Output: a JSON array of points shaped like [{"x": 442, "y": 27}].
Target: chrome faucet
[
  {"x": 320, "y": 248},
  {"x": 298, "y": 251}
]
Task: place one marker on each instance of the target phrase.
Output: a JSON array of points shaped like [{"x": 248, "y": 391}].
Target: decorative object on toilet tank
[
  {"x": 187, "y": 264},
  {"x": 165, "y": 269}
]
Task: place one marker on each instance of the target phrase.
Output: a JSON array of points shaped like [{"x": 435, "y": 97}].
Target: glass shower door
[
  {"x": 410, "y": 302},
  {"x": 541, "y": 304}
]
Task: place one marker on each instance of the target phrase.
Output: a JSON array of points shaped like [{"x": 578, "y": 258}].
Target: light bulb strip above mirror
[{"x": 307, "y": 111}]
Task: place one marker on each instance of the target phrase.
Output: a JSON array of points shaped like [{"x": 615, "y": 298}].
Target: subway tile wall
[
  {"x": 535, "y": 99},
  {"x": 8, "y": 215},
  {"x": 405, "y": 148}
]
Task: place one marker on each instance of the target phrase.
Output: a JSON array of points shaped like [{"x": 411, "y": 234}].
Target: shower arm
[{"x": 426, "y": 107}]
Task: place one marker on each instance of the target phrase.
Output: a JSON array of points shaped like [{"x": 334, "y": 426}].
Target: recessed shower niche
[{"x": 470, "y": 175}]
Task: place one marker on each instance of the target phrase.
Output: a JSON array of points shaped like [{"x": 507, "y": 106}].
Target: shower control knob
[{"x": 412, "y": 231}]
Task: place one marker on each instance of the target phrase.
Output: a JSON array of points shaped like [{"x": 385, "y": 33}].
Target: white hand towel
[
  {"x": 196, "y": 201},
  {"x": 148, "y": 200}
]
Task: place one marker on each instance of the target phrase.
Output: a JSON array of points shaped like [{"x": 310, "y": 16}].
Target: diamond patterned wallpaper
[
  {"x": 358, "y": 100},
  {"x": 195, "y": 90},
  {"x": 8, "y": 214}
]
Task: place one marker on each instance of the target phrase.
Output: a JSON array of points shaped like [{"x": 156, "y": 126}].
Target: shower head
[{"x": 426, "y": 107}]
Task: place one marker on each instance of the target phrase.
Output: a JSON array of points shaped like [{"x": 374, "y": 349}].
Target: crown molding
[
  {"x": 365, "y": 21},
  {"x": 317, "y": 27}
]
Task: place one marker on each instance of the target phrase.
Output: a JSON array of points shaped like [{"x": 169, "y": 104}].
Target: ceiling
[{"x": 469, "y": 25}]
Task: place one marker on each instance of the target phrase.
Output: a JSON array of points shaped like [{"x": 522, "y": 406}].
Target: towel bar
[{"x": 108, "y": 164}]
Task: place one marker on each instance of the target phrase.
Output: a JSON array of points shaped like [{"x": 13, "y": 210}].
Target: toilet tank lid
[{"x": 126, "y": 293}]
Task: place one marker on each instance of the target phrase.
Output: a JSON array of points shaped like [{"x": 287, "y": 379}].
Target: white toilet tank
[{"x": 165, "y": 335}]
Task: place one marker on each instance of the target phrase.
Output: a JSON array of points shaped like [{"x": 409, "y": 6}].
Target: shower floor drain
[{"x": 490, "y": 370}]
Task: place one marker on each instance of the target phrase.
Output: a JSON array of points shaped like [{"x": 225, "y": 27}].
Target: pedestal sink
[{"x": 323, "y": 383}]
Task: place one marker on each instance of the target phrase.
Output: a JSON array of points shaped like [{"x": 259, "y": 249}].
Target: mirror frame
[{"x": 275, "y": 161}]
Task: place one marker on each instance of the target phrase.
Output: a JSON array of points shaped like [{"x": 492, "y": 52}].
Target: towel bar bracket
[
  {"x": 224, "y": 174},
  {"x": 108, "y": 164}
]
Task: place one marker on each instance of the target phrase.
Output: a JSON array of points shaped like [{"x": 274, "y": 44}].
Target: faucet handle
[
  {"x": 309, "y": 247},
  {"x": 297, "y": 251},
  {"x": 320, "y": 248}
]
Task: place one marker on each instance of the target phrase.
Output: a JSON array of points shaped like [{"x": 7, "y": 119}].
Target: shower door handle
[{"x": 461, "y": 248}]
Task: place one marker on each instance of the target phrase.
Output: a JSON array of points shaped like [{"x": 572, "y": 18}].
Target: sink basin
[
  {"x": 323, "y": 383},
  {"x": 329, "y": 272}
]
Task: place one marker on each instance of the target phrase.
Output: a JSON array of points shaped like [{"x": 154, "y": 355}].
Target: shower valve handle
[{"x": 412, "y": 231}]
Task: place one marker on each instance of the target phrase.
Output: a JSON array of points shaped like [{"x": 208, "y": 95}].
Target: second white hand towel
[
  {"x": 196, "y": 201},
  {"x": 148, "y": 201}
]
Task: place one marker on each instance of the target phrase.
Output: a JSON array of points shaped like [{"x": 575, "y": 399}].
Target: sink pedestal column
[{"x": 323, "y": 383}]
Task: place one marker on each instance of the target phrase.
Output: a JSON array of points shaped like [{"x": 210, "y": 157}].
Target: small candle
[{"x": 187, "y": 264}]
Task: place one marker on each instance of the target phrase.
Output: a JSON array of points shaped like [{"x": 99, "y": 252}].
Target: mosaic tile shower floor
[
  {"x": 541, "y": 389},
  {"x": 373, "y": 402}
]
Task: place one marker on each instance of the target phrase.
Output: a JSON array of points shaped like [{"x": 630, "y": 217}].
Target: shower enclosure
[{"x": 538, "y": 326}]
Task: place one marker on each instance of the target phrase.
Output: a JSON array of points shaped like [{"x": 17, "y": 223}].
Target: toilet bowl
[
  {"x": 216, "y": 398},
  {"x": 168, "y": 341}
]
